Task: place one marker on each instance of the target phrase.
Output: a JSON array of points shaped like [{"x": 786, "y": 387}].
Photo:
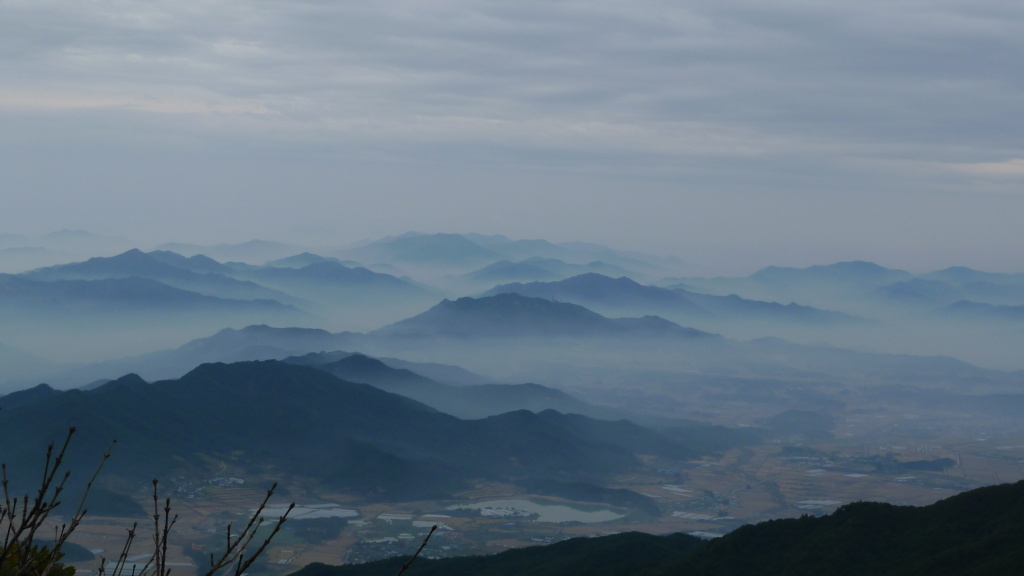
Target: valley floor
[{"x": 705, "y": 497}]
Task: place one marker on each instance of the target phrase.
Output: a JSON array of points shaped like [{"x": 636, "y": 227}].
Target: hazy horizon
[
  {"x": 732, "y": 136},
  {"x": 695, "y": 265},
  {"x": 659, "y": 380}
]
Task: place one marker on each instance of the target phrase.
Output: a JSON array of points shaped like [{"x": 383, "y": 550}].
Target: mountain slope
[
  {"x": 117, "y": 294},
  {"x": 733, "y": 307},
  {"x": 293, "y": 417},
  {"x": 331, "y": 283},
  {"x": 26, "y": 397},
  {"x": 254, "y": 342},
  {"x": 305, "y": 259},
  {"x": 253, "y": 251},
  {"x": 624, "y": 295},
  {"x": 833, "y": 286},
  {"x": 599, "y": 290},
  {"x": 963, "y": 276},
  {"x": 856, "y": 273},
  {"x": 197, "y": 273},
  {"x": 977, "y": 532},
  {"x": 472, "y": 401},
  {"x": 513, "y": 315}
]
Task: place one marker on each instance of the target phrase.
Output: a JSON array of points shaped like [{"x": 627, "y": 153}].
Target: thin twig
[
  {"x": 422, "y": 546},
  {"x": 234, "y": 551}
]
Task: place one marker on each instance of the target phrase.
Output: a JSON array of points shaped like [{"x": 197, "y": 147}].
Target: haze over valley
[
  {"x": 667, "y": 402},
  {"x": 632, "y": 285}
]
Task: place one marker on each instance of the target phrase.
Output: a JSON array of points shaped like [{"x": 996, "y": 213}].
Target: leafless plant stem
[
  {"x": 23, "y": 521},
  {"x": 420, "y": 549}
]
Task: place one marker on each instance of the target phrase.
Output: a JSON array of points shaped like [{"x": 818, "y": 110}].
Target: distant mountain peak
[
  {"x": 265, "y": 330},
  {"x": 605, "y": 293},
  {"x": 855, "y": 272},
  {"x": 511, "y": 314},
  {"x": 304, "y": 259},
  {"x": 126, "y": 381}
]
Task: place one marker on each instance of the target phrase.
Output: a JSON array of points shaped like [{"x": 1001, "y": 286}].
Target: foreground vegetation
[
  {"x": 27, "y": 522},
  {"x": 977, "y": 532}
]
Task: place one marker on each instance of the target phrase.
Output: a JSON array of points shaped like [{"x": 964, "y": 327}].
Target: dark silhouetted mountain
[
  {"x": 256, "y": 342},
  {"x": 977, "y": 532},
  {"x": 471, "y": 402},
  {"x": 361, "y": 368},
  {"x": 626, "y": 554},
  {"x": 301, "y": 419},
  {"x": 512, "y": 315},
  {"x": 624, "y": 433},
  {"x": 25, "y": 397}
]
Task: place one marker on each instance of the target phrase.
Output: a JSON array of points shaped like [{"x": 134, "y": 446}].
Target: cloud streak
[
  {"x": 871, "y": 92},
  {"x": 918, "y": 73}
]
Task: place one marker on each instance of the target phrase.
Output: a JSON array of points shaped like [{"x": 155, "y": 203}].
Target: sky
[{"x": 731, "y": 134}]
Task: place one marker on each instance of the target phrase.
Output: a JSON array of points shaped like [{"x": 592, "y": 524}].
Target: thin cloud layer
[
  {"x": 659, "y": 86},
  {"x": 920, "y": 74}
]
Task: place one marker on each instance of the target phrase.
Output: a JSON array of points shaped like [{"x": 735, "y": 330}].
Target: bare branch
[
  {"x": 24, "y": 517},
  {"x": 420, "y": 549},
  {"x": 234, "y": 552}
]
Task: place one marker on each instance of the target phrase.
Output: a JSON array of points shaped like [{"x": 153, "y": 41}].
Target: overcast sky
[{"x": 736, "y": 133}]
